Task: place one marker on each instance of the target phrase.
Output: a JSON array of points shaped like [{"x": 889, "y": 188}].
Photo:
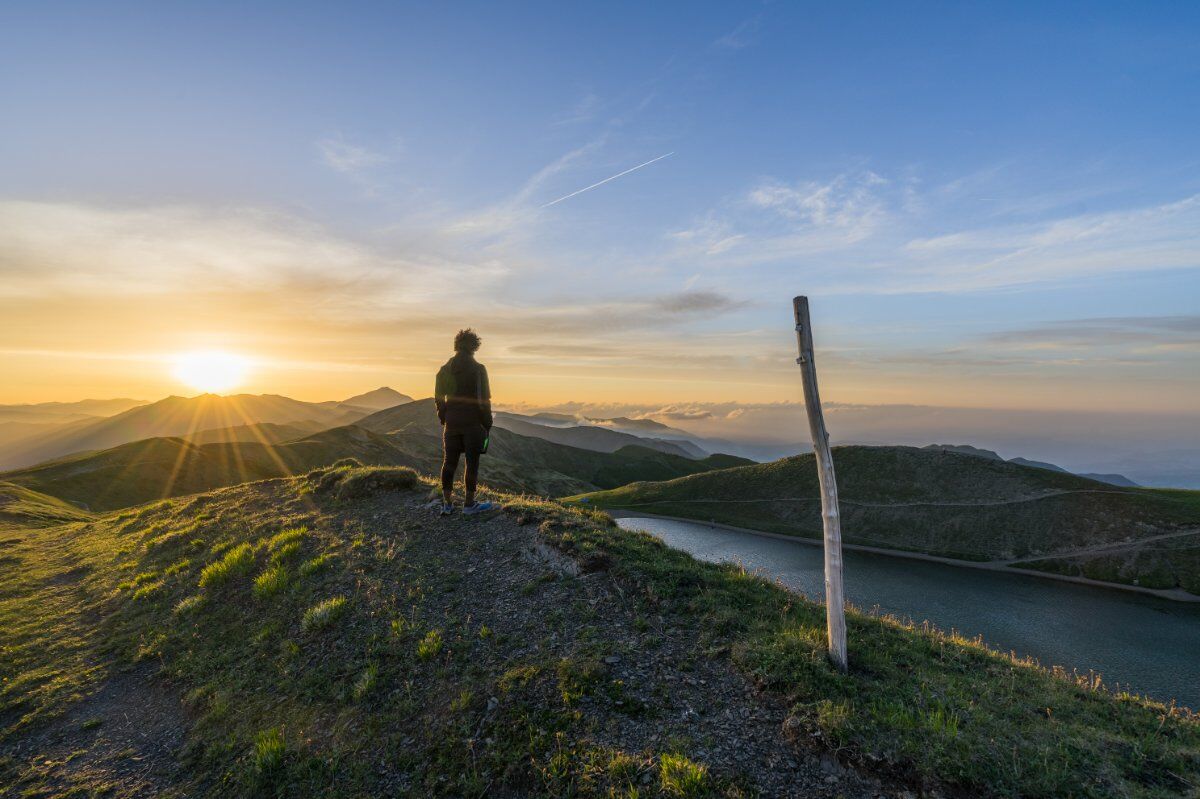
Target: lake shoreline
[{"x": 1173, "y": 594}]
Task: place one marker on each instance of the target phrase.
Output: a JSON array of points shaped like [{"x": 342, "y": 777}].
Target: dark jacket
[{"x": 462, "y": 394}]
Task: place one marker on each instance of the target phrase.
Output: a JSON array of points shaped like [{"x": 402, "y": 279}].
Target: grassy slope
[
  {"x": 265, "y": 433},
  {"x": 909, "y": 482},
  {"x": 281, "y": 705},
  {"x": 22, "y": 508},
  {"x": 163, "y": 467}
]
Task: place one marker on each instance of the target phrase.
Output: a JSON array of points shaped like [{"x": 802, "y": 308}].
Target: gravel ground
[{"x": 673, "y": 693}]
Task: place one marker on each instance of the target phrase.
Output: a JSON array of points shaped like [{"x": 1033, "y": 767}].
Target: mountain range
[
  {"x": 967, "y": 449},
  {"x": 405, "y": 435},
  {"x": 174, "y": 416}
]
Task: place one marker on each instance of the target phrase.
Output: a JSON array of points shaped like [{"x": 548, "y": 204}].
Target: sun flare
[{"x": 210, "y": 371}]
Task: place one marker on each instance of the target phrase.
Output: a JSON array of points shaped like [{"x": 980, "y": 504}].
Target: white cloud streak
[{"x": 606, "y": 180}]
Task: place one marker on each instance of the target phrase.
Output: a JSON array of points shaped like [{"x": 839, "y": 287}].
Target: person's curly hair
[{"x": 467, "y": 341}]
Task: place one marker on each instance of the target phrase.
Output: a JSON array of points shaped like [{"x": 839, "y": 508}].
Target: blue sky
[{"x": 989, "y": 206}]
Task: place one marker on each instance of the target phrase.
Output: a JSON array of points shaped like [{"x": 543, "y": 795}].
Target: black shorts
[{"x": 469, "y": 441}]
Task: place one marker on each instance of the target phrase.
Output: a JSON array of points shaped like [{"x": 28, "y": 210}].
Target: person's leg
[
  {"x": 452, "y": 446},
  {"x": 472, "y": 447},
  {"x": 471, "y": 477}
]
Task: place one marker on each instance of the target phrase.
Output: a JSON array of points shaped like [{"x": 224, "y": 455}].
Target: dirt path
[
  {"x": 982, "y": 504},
  {"x": 122, "y": 741},
  {"x": 672, "y": 690},
  {"x": 1113, "y": 547}
]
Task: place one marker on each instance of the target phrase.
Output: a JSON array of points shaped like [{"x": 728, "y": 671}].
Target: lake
[{"x": 1145, "y": 644}]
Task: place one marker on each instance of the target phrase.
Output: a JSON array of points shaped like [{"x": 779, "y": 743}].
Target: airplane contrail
[{"x": 606, "y": 180}]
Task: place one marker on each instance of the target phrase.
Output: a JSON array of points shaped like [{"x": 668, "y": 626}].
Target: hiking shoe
[
  {"x": 446, "y": 510},
  {"x": 479, "y": 507}
]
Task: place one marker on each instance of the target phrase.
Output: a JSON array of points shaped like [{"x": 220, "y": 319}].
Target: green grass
[
  {"x": 316, "y": 565},
  {"x": 681, "y": 777},
  {"x": 1170, "y": 563},
  {"x": 323, "y": 614},
  {"x": 274, "y": 708},
  {"x": 937, "y": 704},
  {"x": 271, "y": 581},
  {"x": 269, "y": 749},
  {"x": 235, "y": 563},
  {"x": 287, "y": 540},
  {"x": 21, "y": 507},
  {"x": 365, "y": 683},
  {"x": 430, "y": 646}
]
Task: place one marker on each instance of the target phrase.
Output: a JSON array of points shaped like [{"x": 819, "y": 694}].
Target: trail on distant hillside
[{"x": 983, "y": 503}]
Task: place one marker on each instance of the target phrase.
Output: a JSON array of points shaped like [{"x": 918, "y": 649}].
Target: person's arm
[
  {"x": 440, "y": 390},
  {"x": 485, "y": 399}
]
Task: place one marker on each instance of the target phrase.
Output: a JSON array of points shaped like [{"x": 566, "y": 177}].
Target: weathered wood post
[{"x": 835, "y": 610}]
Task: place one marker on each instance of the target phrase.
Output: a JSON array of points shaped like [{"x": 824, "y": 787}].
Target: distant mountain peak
[{"x": 379, "y": 399}]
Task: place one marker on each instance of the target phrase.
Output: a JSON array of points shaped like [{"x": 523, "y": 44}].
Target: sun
[{"x": 210, "y": 371}]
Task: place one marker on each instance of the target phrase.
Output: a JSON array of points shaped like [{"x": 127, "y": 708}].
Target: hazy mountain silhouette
[
  {"x": 174, "y": 416},
  {"x": 378, "y": 400}
]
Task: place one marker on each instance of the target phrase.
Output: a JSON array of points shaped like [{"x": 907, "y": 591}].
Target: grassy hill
[
  {"x": 330, "y": 636},
  {"x": 938, "y": 502},
  {"x": 174, "y": 416},
  {"x": 21, "y": 507},
  {"x": 264, "y": 433},
  {"x": 157, "y": 468}
]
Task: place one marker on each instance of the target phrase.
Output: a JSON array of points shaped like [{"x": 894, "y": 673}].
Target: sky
[{"x": 989, "y": 206}]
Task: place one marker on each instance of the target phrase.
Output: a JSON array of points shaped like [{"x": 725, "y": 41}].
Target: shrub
[
  {"x": 680, "y": 776},
  {"x": 319, "y": 563},
  {"x": 235, "y": 563},
  {"x": 286, "y": 538},
  {"x": 322, "y": 614},
  {"x": 364, "y": 482},
  {"x": 365, "y": 682},
  {"x": 270, "y": 582},
  {"x": 347, "y": 463},
  {"x": 268, "y": 750},
  {"x": 188, "y": 604},
  {"x": 429, "y": 646},
  {"x": 326, "y": 481},
  {"x": 177, "y": 566},
  {"x": 577, "y": 677},
  {"x": 149, "y": 589}
]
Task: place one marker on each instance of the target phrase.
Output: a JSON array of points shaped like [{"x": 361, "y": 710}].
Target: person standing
[{"x": 464, "y": 407}]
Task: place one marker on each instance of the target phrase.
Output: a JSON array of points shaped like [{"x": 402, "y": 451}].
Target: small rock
[
  {"x": 492, "y": 703},
  {"x": 611, "y": 659}
]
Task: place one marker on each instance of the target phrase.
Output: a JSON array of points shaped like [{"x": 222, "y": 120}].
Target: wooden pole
[{"x": 835, "y": 610}]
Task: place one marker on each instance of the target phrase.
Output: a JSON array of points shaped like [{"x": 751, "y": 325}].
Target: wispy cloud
[
  {"x": 348, "y": 158},
  {"x": 512, "y": 212},
  {"x": 697, "y": 302},
  {"x": 76, "y": 250},
  {"x": 846, "y": 201},
  {"x": 744, "y": 35},
  {"x": 1172, "y": 333},
  {"x": 861, "y": 231},
  {"x": 582, "y": 111}
]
